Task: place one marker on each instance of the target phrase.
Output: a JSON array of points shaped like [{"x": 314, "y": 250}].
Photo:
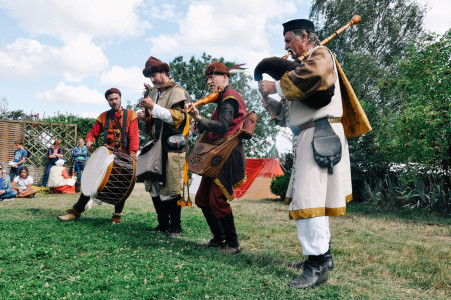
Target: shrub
[{"x": 279, "y": 185}]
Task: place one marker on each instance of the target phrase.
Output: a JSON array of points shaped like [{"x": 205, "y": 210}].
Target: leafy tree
[
  {"x": 418, "y": 126},
  {"x": 190, "y": 74}
]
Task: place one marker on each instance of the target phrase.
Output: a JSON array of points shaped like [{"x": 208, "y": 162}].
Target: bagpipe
[{"x": 276, "y": 67}]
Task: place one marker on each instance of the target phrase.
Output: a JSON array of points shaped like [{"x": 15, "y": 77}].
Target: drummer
[{"x": 116, "y": 118}]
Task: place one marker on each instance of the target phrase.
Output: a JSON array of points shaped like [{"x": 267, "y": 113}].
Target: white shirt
[{"x": 23, "y": 183}]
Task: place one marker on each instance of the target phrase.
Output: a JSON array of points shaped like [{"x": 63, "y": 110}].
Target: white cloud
[
  {"x": 29, "y": 59},
  {"x": 437, "y": 17},
  {"x": 89, "y": 114},
  {"x": 67, "y": 18},
  {"x": 129, "y": 81},
  {"x": 233, "y": 29},
  {"x": 65, "y": 94}
]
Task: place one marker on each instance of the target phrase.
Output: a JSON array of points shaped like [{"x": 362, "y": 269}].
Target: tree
[
  {"x": 191, "y": 76},
  {"x": 418, "y": 127}
]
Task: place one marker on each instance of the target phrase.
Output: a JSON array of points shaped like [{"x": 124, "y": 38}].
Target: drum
[{"x": 109, "y": 175}]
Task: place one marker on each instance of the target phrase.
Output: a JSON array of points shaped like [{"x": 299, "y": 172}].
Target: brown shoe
[
  {"x": 72, "y": 214},
  {"x": 116, "y": 218}
]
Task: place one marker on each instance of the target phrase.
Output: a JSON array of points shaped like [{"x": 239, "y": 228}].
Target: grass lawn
[{"x": 378, "y": 255}]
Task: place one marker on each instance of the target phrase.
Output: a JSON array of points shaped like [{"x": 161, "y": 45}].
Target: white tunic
[{"x": 312, "y": 192}]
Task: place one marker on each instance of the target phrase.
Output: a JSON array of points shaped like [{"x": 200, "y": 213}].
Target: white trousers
[{"x": 314, "y": 235}]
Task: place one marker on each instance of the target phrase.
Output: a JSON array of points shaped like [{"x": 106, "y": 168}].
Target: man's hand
[
  {"x": 133, "y": 155},
  {"x": 89, "y": 145},
  {"x": 141, "y": 115},
  {"x": 147, "y": 102},
  {"x": 194, "y": 113},
  {"x": 266, "y": 87}
]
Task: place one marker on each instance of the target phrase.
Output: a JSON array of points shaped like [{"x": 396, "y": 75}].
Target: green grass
[{"x": 378, "y": 254}]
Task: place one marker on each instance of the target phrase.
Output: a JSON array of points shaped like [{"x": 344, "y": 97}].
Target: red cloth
[
  {"x": 65, "y": 189},
  {"x": 258, "y": 167},
  {"x": 210, "y": 195},
  {"x": 132, "y": 129}
]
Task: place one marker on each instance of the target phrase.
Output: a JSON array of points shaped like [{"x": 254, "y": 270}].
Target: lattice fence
[{"x": 37, "y": 137}]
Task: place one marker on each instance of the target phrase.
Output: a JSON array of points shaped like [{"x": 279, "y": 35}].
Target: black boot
[
  {"x": 315, "y": 273},
  {"x": 327, "y": 256},
  {"x": 215, "y": 225},
  {"x": 162, "y": 214},
  {"x": 228, "y": 224},
  {"x": 174, "y": 211}
]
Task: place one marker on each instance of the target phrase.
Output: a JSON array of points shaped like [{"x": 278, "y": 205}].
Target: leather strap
[{"x": 298, "y": 129}]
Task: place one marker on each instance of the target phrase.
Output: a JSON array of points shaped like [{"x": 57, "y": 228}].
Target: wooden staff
[{"x": 355, "y": 20}]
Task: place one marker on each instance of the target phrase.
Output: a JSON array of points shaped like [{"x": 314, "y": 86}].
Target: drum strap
[{"x": 123, "y": 129}]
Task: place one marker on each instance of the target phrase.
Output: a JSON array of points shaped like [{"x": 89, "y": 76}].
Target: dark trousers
[
  {"x": 13, "y": 173},
  {"x": 83, "y": 200}
]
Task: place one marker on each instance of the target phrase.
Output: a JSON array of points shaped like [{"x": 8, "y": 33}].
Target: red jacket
[{"x": 131, "y": 130}]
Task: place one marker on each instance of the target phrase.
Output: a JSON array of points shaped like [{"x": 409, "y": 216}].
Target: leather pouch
[{"x": 326, "y": 145}]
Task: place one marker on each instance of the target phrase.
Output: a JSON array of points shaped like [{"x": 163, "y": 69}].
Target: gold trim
[
  {"x": 223, "y": 189},
  {"x": 242, "y": 181},
  {"x": 228, "y": 97},
  {"x": 348, "y": 198},
  {"x": 290, "y": 91},
  {"x": 288, "y": 200},
  {"x": 317, "y": 212}
]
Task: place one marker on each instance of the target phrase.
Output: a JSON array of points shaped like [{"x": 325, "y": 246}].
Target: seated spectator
[
  {"x": 54, "y": 153},
  {"x": 80, "y": 154},
  {"x": 23, "y": 184},
  {"x": 6, "y": 191},
  {"x": 59, "y": 180},
  {"x": 20, "y": 155}
]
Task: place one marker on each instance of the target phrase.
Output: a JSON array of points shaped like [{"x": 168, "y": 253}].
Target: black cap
[{"x": 298, "y": 24}]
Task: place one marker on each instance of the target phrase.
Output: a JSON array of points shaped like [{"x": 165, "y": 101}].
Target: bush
[{"x": 279, "y": 185}]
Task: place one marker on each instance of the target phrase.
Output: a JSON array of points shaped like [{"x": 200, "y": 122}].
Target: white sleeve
[
  {"x": 279, "y": 90},
  {"x": 162, "y": 114}
]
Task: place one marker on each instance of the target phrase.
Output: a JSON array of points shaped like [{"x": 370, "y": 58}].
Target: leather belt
[{"x": 298, "y": 129}]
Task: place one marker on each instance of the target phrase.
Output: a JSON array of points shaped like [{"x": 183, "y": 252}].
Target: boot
[
  {"x": 327, "y": 256},
  {"x": 116, "y": 218},
  {"x": 174, "y": 212},
  {"x": 218, "y": 239},
  {"x": 72, "y": 214},
  {"x": 232, "y": 244},
  {"x": 315, "y": 273},
  {"x": 162, "y": 214}
]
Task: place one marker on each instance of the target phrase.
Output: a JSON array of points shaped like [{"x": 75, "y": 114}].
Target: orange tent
[{"x": 259, "y": 173}]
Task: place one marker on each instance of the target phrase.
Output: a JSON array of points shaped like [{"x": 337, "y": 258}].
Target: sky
[{"x": 60, "y": 56}]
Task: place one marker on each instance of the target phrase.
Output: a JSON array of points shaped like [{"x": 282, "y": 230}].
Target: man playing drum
[{"x": 113, "y": 123}]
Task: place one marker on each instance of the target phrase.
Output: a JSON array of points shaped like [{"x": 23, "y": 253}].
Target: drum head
[{"x": 95, "y": 171}]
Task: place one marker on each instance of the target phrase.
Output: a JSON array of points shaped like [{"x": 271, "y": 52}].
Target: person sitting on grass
[
  {"x": 23, "y": 184},
  {"x": 59, "y": 180},
  {"x": 6, "y": 191}
]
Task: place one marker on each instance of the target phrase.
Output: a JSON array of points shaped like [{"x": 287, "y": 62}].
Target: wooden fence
[{"x": 37, "y": 137}]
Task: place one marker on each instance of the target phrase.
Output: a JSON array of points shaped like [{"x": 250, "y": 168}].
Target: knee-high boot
[
  {"x": 228, "y": 223},
  {"x": 162, "y": 214},
  {"x": 216, "y": 228},
  {"x": 174, "y": 212}
]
